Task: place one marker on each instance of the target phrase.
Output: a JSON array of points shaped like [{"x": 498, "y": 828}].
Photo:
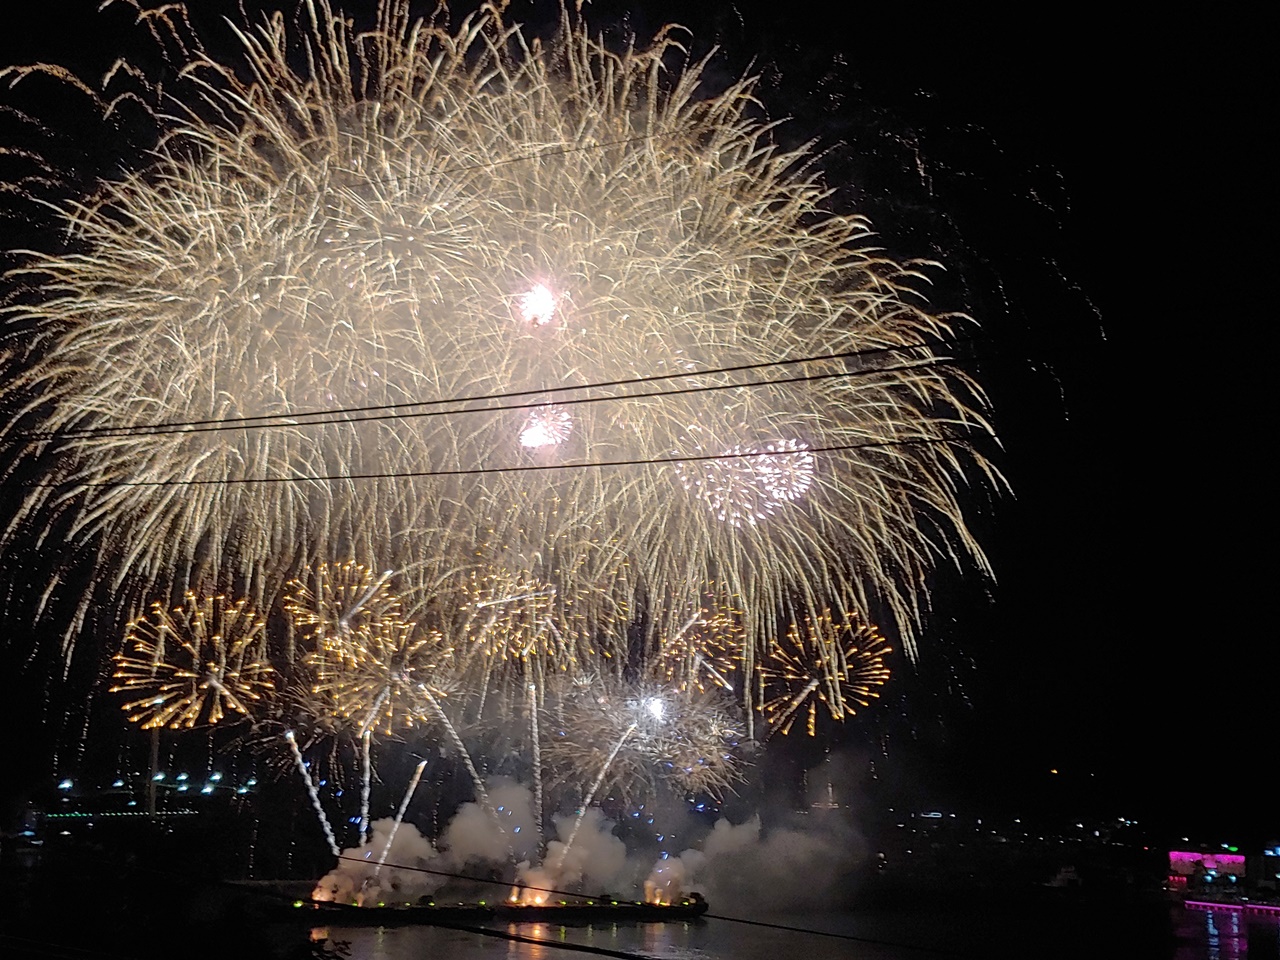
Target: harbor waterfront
[{"x": 1050, "y": 897}]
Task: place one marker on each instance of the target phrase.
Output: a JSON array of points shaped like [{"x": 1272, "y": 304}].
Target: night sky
[{"x": 1084, "y": 180}]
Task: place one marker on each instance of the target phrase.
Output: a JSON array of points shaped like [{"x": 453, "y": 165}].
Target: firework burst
[
  {"x": 191, "y": 664},
  {"x": 364, "y": 220},
  {"x": 383, "y": 674},
  {"x": 706, "y": 649},
  {"x": 634, "y": 736},
  {"x": 748, "y": 485},
  {"x": 335, "y": 599},
  {"x": 695, "y": 752},
  {"x": 838, "y": 663}
]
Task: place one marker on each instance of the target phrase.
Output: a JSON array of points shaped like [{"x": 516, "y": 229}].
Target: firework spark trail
[
  {"x": 716, "y": 675},
  {"x": 535, "y": 738},
  {"x": 400, "y": 811},
  {"x": 591, "y": 795},
  {"x": 437, "y": 711},
  {"x": 780, "y": 721},
  {"x": 312, "y": 792},
  {"x": 374, "y": 709},
  {"x": 366, "y": 771},
  {"x": 345, "y": 620},
  {"x": 338, "y": 217}
]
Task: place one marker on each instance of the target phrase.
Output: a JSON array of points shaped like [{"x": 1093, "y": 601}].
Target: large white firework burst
[{"x": 376, "y": 220}]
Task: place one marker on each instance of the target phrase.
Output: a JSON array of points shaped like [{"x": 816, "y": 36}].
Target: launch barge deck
[{"x": 587, "y": 911}]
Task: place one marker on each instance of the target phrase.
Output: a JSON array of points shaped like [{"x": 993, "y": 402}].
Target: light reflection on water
[
  {"x": 683, "y": 940},
  {"x": 686, "y": 940},
  {"x": 883, "y": 935},
  {"x": 1226, "y": 935}
]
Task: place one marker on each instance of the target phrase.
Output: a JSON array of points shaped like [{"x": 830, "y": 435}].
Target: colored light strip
[
  {"x": 120, "y": 813},
  {"x": 1248, "y": 907},
  {"x": 1185, "y": 858}
]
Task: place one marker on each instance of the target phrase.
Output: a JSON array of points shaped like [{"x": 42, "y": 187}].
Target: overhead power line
[
  {"x": 482, "y": 471},
  {"x": 414, "y": 408}
]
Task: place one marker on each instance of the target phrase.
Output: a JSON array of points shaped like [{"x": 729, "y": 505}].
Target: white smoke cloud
[
  {"x": 596, "y": 860},
  {"x": 475, "y": 835},
  {"x": 756, "y": 869},
  {"x": 744, "y": 867},
  {"x": 361, "y": 881}
]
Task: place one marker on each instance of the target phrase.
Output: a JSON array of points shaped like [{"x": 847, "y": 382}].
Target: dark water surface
[{"x": 1035, "y": 931}]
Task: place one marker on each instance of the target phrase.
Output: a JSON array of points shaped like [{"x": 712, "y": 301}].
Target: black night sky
[{"x": 1081, "y": 177}]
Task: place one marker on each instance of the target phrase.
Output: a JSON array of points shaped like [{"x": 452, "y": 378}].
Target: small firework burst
[
  {"x": 748, "y": 484},
  {"x": 546, "y": 427},
  {"x": 632, "y": 736},
  {"x": 838, "y": 663},
  {"x": 695, "y": 752},
  {"x": 333, "y": 599},
  {"x": 191, "y": 664},
  {"x": 705, "y": 649},
  {"x": 381, "y": 674},
  {"x": 538, "y": 305}
]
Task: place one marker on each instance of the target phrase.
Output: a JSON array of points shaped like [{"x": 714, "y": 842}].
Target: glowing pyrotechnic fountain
[
  {"x": 546, "y": 427},
  {"x": 192, "y": 663},
  {"x": 837, "y": 663},
  {"x": 366, "y": 780},
  {"x": 312, "y": 792},
  {"x": 535, "y": 738}
]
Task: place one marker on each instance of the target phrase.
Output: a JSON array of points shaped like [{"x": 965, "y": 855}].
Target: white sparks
[
  {"x": 546, "y": 427},
  {"x": 538, "y": 306}
]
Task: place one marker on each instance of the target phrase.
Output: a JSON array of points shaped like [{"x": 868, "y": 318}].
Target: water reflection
[
  {"x": 906, "y": 934},
  {"x": 1225, "y": 934}
]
